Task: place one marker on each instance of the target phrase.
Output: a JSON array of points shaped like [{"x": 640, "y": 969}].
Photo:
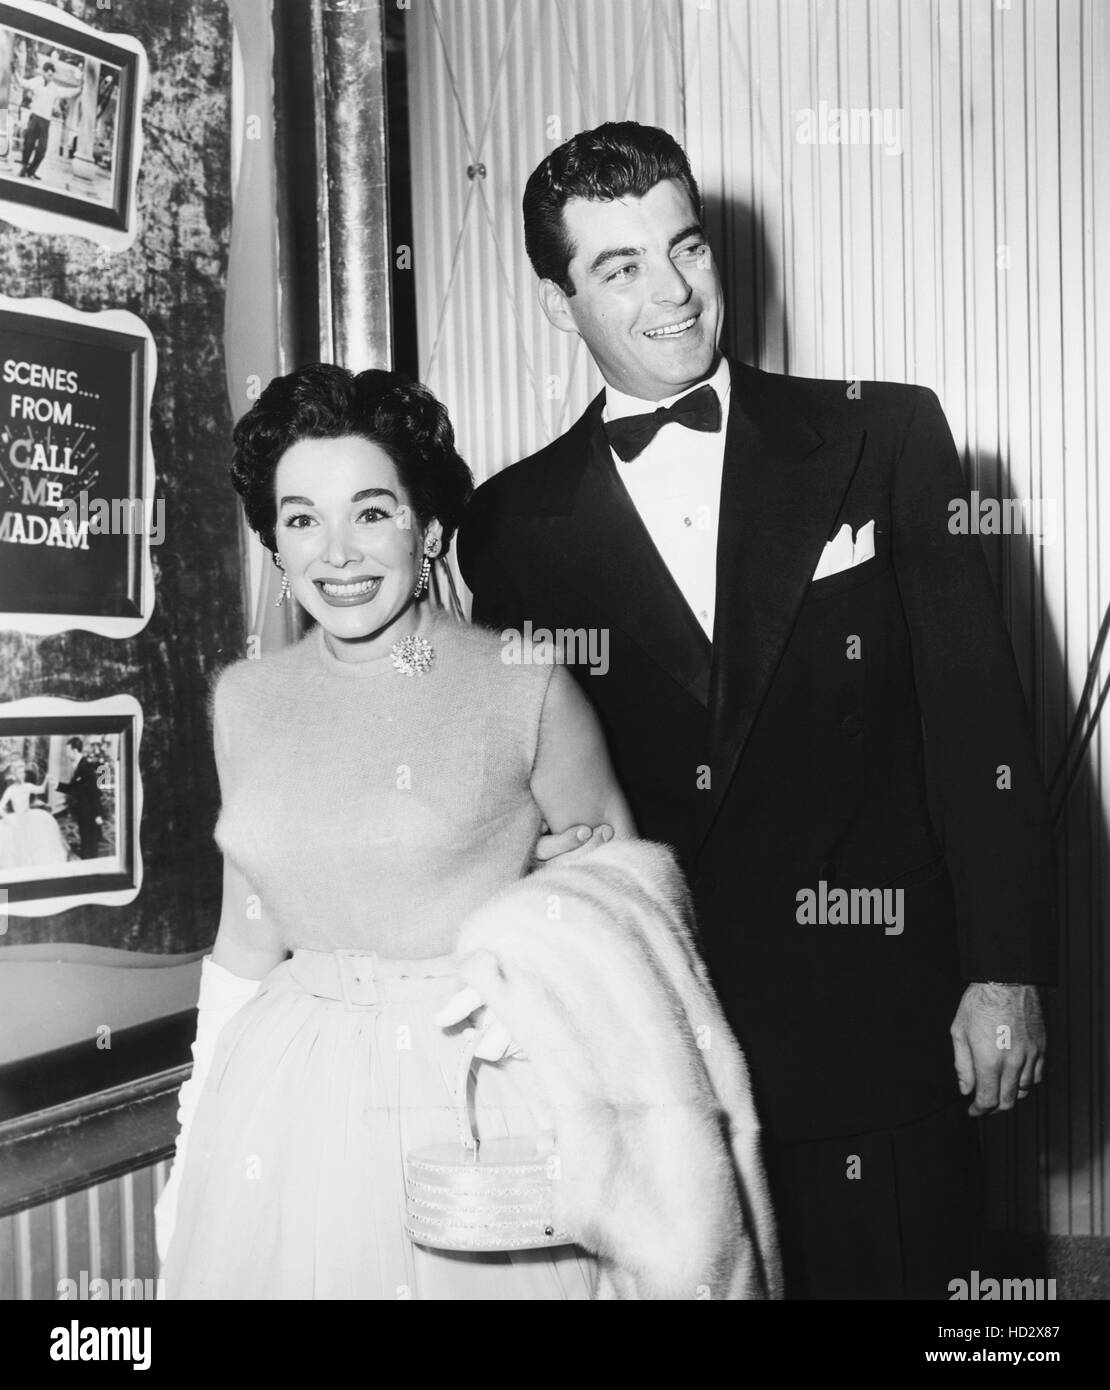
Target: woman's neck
[{"x": 412, "y": 622}]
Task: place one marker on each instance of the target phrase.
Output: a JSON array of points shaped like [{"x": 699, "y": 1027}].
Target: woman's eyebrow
[{"x": 358, "y": 496}]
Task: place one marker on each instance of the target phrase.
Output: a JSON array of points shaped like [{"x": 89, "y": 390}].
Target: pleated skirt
[{"x": 293, "y": 1184}]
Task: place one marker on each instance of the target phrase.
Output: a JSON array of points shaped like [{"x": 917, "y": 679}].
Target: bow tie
[{"x": 698, "y": 410}]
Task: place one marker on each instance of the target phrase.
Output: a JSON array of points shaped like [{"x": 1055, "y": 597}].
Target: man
[
  {"x": 801, "y": 653},
  {"x": 83, "y": 798},
  {"x": 45, "y": 91}
]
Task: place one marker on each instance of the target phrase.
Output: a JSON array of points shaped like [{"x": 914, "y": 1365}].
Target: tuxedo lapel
[
  {"x": 782, "y": 487},
  {"x": 616, "y": 563}
]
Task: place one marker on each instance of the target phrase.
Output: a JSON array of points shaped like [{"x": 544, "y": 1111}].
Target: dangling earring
[
  {"x": 422, "y": 581},
  {"x": 286, "y": 587},
  {"x": 431, "y": 548}
]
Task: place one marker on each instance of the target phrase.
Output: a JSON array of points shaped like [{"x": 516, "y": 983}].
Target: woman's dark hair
[
  {"x": 327, "y": 402},
  {"x": 619, "y": 159}
]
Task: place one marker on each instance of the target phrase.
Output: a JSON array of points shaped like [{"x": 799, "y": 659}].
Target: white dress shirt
[
  {"x": 44, "y": 93},
  {"x": 675, "y": 484}
]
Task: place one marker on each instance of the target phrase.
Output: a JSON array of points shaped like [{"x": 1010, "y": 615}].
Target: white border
[
  {"x": 33, "y": 219},
  {"x": 47, "y": 624},
  {"x": 50, "y": 705}
]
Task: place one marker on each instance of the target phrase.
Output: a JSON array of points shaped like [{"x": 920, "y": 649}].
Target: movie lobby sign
[{"x": 77, "y": 508}]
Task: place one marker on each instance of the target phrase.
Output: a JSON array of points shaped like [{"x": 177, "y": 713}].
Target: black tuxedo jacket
[
  {"x": 82, "y": 794},
  {"x": 865, "y": 731}
]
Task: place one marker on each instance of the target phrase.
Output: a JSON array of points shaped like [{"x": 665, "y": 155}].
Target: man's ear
[{"x": 556, "y": 305}]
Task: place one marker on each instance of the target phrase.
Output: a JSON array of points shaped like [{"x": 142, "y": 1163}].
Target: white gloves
[
  {"x": 222, "y": 995},
  {"x": 496, "y": 1044}
]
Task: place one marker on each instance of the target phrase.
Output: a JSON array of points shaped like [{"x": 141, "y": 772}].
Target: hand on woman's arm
[
  {"x": 573, "y": 780},
  {"x": 580, "y": 838}
]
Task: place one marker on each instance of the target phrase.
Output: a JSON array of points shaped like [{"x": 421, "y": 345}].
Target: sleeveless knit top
[{"x": 371, "y": 810}]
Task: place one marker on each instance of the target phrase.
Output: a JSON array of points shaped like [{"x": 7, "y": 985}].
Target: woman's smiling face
[{"x": 347, "y": 536}]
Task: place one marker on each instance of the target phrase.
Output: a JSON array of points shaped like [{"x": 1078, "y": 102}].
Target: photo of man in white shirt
[{"x": 45, "y": 91}]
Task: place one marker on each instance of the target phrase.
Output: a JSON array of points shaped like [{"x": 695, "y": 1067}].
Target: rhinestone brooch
[{"x": 412, "y": 656}]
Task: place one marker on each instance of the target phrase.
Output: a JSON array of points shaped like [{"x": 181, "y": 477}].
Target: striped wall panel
[{"x": 105, "y": 1232}]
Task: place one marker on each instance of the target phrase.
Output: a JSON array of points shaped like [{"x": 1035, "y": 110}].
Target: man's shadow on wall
[{"x": 1024, "y": 1147}]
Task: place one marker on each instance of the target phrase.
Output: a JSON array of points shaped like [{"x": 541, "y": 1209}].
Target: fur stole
[{"x": 592, "y": 968}]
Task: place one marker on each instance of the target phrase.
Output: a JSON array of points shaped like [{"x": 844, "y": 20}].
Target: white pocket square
[{"x": 844, "y": 553}]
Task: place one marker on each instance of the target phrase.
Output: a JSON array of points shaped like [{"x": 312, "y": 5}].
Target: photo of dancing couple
[
  {"x": 534, "y": 983},
  {"x": 58, "y": 803}
]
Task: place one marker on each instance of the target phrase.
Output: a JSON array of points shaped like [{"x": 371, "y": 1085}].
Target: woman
[
  {"x": 380, "y": 780},
  {"x": 29, "y": 836}
]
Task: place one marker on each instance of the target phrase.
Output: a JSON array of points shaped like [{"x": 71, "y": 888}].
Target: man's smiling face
[{"x": 647, "y": 299}]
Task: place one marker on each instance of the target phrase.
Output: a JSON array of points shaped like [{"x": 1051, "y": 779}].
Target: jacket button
[{"x": 851, "y": 726}]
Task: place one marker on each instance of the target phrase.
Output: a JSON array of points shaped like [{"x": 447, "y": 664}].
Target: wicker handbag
[{"x": 481, "y": 1196}]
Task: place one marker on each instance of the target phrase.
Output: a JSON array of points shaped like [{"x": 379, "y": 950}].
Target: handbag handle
[{"x": 467, "y": 1131}]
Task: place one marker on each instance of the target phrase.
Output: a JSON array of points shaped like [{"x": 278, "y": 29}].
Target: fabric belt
[{"x": 363, "y": 980}]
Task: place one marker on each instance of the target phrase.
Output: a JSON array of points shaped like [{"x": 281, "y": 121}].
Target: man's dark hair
[
  {"x": 322, "y": 401},
  {"x": 48, "y": 66},
  {"x": 75, "y": 742},
  {"x": 619, "y": 159}
]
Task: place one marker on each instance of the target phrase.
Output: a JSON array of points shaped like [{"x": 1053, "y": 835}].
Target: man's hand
[
  {"x": 578, "y": 840},
  {"x": 998, "y": 1038}
]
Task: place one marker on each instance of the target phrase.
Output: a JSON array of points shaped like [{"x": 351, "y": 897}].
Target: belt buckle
[{"x": 358, "y": 980}]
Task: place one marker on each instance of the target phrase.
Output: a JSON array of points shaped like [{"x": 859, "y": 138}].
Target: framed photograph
[
  {"x": 70, "y": 804},
  {"x": 70, "y": 133},
  {"x": 77, "y": 511}
]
